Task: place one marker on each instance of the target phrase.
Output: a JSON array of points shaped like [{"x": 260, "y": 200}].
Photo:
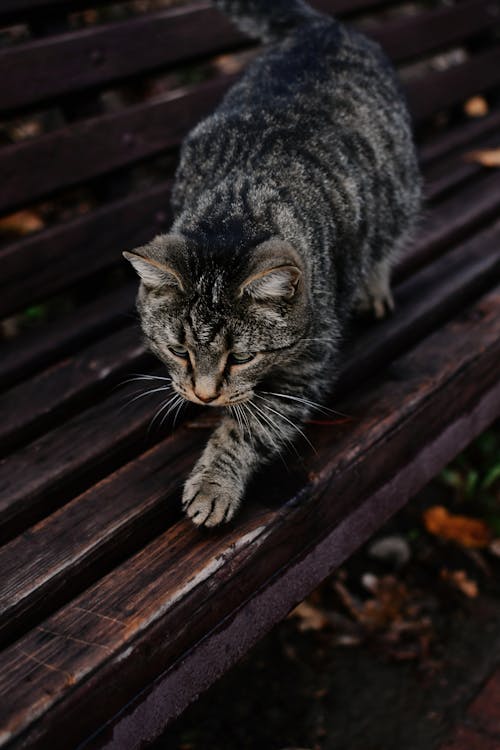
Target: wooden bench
[{"x": 115, "y": 612}]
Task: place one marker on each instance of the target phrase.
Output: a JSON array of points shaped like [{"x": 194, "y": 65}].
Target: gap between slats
[
  {"x": 140, "y": 618},
  {"x": 109, "y": 519}
]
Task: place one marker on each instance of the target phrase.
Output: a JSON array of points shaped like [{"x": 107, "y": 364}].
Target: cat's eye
[
  {"x": 179, "y": 351},
  {"x": 237, "y": 358}
]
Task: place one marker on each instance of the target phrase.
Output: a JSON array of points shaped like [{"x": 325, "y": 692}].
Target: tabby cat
[{"x": 290, "y": 203}]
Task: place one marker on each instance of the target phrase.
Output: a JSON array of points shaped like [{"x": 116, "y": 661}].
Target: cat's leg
[
  {"x": 375, "y": 294},
  {"x": 215, "y": 488}
]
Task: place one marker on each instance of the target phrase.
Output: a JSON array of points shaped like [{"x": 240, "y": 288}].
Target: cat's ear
[
  {"x": 154, "y": 274},
  {"x": 275, "y": 272},
  {"x": 271, "y": 284}
]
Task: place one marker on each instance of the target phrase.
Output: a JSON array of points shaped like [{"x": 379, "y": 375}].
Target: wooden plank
[
  {"x": 87, "y": 149},
  {"x": 441, "y": 90},
  {"x": 458, "y": 137},
  {"x": 62, "y": 462},
  {"x": 419, "y": 35},
  {"x": 38, "y": 348},
  {"x": 423, "y": 303},
  {"x": 128, "y": 629},
  {"x": 453, "y": 218},
  {"x": 101, "y": 55},
  {"x": 44, "y": 263},
  {"x": 53, "y": 394}
]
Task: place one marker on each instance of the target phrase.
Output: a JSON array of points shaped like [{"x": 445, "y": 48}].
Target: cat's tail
[{"x": 267, "y": 20}]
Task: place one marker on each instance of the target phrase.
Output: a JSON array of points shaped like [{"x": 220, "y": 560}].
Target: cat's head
[{"x": 221, "y": 322}]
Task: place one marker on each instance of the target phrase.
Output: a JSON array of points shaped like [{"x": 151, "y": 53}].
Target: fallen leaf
[
  {"x": 310, "y": 617},
  {"x": 476, "y": 106},
  {"x": 460, "y": 580},
  {"x": 488, "y": 157},
  {"x": 21, "y": 223},
  {"x": 466, "y": 531}
]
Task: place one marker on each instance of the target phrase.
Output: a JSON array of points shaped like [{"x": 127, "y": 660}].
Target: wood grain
[
  {"x": 139, "y": 618},
  {"x": 424, "y": 302},
  {"x": 102, "y": 55}
]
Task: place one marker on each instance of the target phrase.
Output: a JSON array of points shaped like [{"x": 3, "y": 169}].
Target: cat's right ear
[{"x": 154, "y": 274}]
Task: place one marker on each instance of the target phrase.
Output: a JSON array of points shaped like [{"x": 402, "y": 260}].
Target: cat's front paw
[{"x": 210, "y": 500}]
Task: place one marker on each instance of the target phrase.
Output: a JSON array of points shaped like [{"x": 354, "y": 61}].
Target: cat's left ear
[
  {"x": 276, "y": 276},
  {"x": 153, "y": 273},
  {"x": 159, "y": 264}
]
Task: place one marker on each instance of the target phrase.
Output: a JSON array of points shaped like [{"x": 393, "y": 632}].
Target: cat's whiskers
[
  {"x": 307, "y": 402},
  {"x": 271, "y": 431},
  {"x": 279, "y": 414},
  {"x": 169, "y": 404}
]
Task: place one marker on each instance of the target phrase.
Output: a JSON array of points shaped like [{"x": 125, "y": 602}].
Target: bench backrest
[{"x": 94, "y": 112}]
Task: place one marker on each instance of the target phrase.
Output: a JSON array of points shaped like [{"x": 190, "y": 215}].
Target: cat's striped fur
[{"x": 290, "y": 201}]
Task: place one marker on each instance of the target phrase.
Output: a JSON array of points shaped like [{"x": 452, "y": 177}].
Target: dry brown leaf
[
  {"x": 488, "y": 157},
  {"x": 468, "y": 532},
  {"x": 476, "y": 106},
  {"x": 21, "y": 223},
  {"x": 460, "y": 580},
  {"x": 310, "y": 617}
]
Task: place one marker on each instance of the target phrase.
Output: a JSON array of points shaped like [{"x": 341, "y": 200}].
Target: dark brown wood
[
  {"x": 69, "y": 458},
  {"x": 38, "y": 348},
  {"x": 93, "y": 147},
  {"x": 459, "y": 136},
  {"x": 17, "y": 8},
  {"x": 408, "y": 38},
  {"x": 455, "y": 217},
  {"x": 102, "y": 55},
  {"x": 45, "y": 263},
  {"x": 424, "y": 302},
  {"x": 443, "y": 89},
  {"x": 53, "y": 394},
  {"x": 110, "y": 602},
  {"x": 128, "y": 628}
]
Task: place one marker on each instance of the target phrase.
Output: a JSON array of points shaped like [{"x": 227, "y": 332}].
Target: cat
[{"x": 290, "y": 203}]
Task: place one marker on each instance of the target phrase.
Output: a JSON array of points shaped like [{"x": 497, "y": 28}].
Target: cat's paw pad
[{"x": 209, "y": 502}]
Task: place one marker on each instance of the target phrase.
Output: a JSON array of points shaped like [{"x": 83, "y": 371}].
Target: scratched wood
[
  {"x": 120, "y": 50},
  {"x": 75, "y": 379},
  {"x": 128, "y": 628},
  {"x": 42, "y": 264},
  {"x": 424, "y": 302},
  {"x": 113, "y": 586}
]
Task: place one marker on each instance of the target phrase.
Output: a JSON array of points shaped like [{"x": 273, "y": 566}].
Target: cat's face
[{"x": 219, "y": 328}]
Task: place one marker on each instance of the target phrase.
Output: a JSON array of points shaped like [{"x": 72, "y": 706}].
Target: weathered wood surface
[
  {"x": 95, "y": 57},
  {"x": 103, "y": 584},
  {"x": 126, "y": 629},
  {"x": 44, "y": 263}
]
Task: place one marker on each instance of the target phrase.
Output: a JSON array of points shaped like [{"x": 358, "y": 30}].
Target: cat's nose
[
  {"x": 206, "y": 389},
  {"x": 206, "y": 399}
]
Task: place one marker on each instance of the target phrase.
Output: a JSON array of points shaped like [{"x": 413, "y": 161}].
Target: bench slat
[
  {"x": 444, "y": 224},
  {"x": 445, "y": 88},
  {"x": 424, "y": 301},
  {"x": 13, "y": 9},
  {"x": 52, "y": 259},
  {"x": 126, "y": 629},
  {"x": 36, "y": 404},
  {"x": 102, "y": 55},
  {"x": 38, "y": 348},
  {"x": 92, "y": 148}
]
